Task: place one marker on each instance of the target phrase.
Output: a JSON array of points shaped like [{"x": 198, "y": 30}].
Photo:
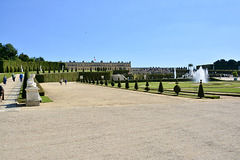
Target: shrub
[
  {"x": 177, "y": 89},
  {"x": 126, "y": 84},
  {"x": 200, "y": 90},
  {"x": 112, "y": 83},
  {"x": 97, "y": 82},
  {"x": 160, "y": 88},
  {"x": 101, "y": 82},
  {"x": 136, "y": 85},
  {"x": 147, "y": 88},
  {"x": 106, "y": 82},
  {"x": 119, "y": 83},
  {"x": 26, "y": 76}
]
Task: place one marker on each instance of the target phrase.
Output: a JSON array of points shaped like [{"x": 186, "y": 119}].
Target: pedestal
[{"x": 32, "y": 96}]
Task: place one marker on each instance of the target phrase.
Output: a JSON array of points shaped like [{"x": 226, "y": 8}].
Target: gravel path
[{"x": 95, "y": 122}]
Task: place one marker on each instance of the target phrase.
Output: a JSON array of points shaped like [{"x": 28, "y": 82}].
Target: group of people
[
  {"x": 5, "y": 82},
  {"x": 61, "y": 81}
]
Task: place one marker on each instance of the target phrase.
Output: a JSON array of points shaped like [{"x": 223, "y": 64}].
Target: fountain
[
  {"x": 175, "y": 73},
  {"x": 200, "y": 74}
]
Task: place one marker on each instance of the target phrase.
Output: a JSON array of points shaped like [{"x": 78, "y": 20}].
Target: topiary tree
[
  {"x": 200, "y": 90},
  {"x": 101, "y": 81},
  {"x": 136, "y": 85},
  {"x": 126, "y": 84},
  {"x": 112, "y": 83},
  {"x": 97, "y": 82},
  {"x": 147, "y": 84},
  {"x": 75, "y": 69},
  {"x": 177, "y": 89},
  {"x": 26, "y": 76},
  {"x": 119, "y": 83},
  {"x": 37, "y": 70},
  {"x": 49, "y": 70},
  {"x": 43, "y": 70},
  {"x": 160, "y": 88},
  {"x": 106, "y": 82},
  {"x": 93, "y": 81},
  {"x": 234, "y": 73}
]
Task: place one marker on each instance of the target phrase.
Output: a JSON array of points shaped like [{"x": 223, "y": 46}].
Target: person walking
[
  {"x": 61, "y": 81},
  {"x": 1, "y": 93},
  {"x": 4, "y": 80},
  {"x": 21, "y": 77},
  {"x": 13, "y": 77}
]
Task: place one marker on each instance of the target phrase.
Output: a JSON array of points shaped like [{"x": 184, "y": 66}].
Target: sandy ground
[{"x": 95, "y": 122}]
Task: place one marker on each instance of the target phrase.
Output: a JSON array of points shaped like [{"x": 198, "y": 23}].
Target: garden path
[{"x": 11, "y": 93}]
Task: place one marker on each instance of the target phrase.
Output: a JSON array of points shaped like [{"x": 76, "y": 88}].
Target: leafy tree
[
  {"x": 23, "y": 57},
  {"x": 7, "y": 52},
  {"x": 40, "y": 59},
  {"x": 234, "y": 73},
  {"x": 160, "y": 88},
  {"x": 126, "y": 84},
  {"x": 136, "y": 85},
  {"x": 200, "y": 90},
  {"x": 177, "y": 89}
]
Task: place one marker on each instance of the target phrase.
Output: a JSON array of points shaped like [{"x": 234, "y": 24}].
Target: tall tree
[
  {"x": 7, "y": 51},
  {"x": 23, "y": 57}
]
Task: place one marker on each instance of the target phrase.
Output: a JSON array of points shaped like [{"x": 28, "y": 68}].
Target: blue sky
[{"x": 149, "y": 33}]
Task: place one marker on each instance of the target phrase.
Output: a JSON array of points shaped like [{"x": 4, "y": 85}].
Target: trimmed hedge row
[
  {"x": 15, "y": 66},
  {"x": 71, "y": 76},
  {"x": 41, "y": 90}
]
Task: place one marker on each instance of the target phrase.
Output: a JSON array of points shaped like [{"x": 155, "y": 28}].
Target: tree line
[
  {"x": 8, "y": 52},
  {"x": 223, "y": 64}
]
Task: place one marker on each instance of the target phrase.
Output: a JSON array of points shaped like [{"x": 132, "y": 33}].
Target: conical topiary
[
  {"x": 37, "y": 70},
  {"x": 200, "y": 90},
  {"x": 136, "y": 85},
  {"x": 26, "y": 76},
  {"x": 160, "y": 88},
  {"x": 147, "y": 88},
  {"x": 126, "y": 84},
  {"x": 106, "y": 82},
  {"x": 112, "y": 83},
  {"x": 97, "y": 82},
  {"x": 177, "y": 89},
  {"x": 119, "y": 83},
  {"x": 101, "y": 81}
]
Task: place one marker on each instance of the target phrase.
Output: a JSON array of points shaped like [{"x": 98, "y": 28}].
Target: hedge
[
  {"x": 71, "y": 76},
  {"x": 41, "y": 90},
  {"x": 15, "y": 66}
]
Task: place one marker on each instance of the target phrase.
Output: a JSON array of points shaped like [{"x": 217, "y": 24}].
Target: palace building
[{"x": 99, "y": 65}]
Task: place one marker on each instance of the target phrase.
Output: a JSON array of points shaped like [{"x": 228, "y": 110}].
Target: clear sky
[{"x": 149, "y": 33}]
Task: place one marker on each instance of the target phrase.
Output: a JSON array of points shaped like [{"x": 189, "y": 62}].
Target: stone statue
[{"x": 30, "y": 81}]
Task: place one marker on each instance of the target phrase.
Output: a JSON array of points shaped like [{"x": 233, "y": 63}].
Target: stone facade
[{"x": 101, "y": 65}]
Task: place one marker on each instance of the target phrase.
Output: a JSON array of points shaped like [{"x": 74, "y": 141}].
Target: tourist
[
  {"x": 21, "y": 77},
  {"x": 61, "y": 81},
  {"x": 65, "y": 81},
  {"x": 13, "y": 77},
  {"x": 4, "y": 80},
  {"x": 1, "y": 93}
]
